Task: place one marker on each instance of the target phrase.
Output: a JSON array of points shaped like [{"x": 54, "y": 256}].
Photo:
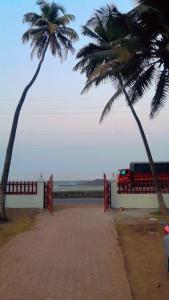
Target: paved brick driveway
[{"x": 72, "y": 255}]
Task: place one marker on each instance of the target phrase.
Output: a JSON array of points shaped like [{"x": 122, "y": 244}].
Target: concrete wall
[
  {"x": 134, "y": 200},
  {"x": 27, "y": 201}
]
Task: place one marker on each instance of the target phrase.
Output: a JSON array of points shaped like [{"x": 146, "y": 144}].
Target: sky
[{"x": 59, "y": 131}]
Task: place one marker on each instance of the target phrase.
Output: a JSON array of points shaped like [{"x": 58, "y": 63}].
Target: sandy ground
[
  {"x": 141, "y": 241},
  {"x": 72, "y": 255}
]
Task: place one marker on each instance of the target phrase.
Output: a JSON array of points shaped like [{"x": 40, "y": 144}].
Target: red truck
[{"x": 139, "y": 174}]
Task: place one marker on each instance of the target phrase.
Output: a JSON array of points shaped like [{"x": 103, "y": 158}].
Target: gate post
[
  {"x": 106, "y": 193},
  {"x": 49, "y": 194}
]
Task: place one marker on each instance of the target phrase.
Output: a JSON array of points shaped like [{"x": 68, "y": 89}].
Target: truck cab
[{"x": 124, "y": 176}]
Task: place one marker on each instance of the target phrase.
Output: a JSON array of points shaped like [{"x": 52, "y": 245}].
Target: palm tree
[
  {"x": 48, "y": 30},
  {"x": 112, "y": 57},
  {"x": 153, "y": 22}
]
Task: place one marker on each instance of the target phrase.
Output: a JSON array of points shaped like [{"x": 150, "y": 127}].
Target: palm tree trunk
[
  {"x": 9, "y": 151},
  {"x": 160, "y": 199}
]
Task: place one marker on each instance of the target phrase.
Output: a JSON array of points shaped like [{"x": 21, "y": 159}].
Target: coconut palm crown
[
  {"x": 138, "y": 50},
  {"x": 113, "y": 46},
  {"x": 50, "y": 28},
  {"x": 152, "y": 17}
]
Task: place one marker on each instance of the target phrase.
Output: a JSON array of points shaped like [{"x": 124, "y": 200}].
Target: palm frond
[
  {"x": 52, "y": 10},
  {"x": 70, "y": 33},
  {"x": 142, "y": 8},
  {"x": 89, "y": 68},
  {"x": 104, "y": 55},
  {"x": 56, "y": 10},
  {"x": 102, "y": 13},
  {"x": 27, "y": 36},
  {"x": 109, "y": 104},
  {"x": 31, "y": 18},
  {"x": 95, "y": 56},
  {"x": 55, "y": 46},
  {"x": 98, "y": 27},
  {"x": 89, "y": 54},
  {"x": 58, "y": 7},
  {"x": 103, "y": 69},
  {"x": 161, "y": 93},
  {"x": 101, "y": 30},
  {"x": 106, "y": 11},
  {"x": 87, "y": 50},
  {"x": 41, "y": 22},
  {"x": 142, "y": 84},
  {"x": 65, "y": 19},
  {"x": 88, "y": 85},
  {"x": 31, "y": 33},
  {"x": 96, "y": 80},
  {"x": 66, "y": 44},
  {"x": 39, "y": 43},
  {"x": 86, "y": 31},
  {"x": 44, "y": 7}
]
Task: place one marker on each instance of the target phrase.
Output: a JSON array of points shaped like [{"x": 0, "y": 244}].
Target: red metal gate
[
  {"x": 106, "y": 193},
  {"x": 49, "y": 194}
]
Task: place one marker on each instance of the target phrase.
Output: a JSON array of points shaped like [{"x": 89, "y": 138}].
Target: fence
[
  {"x": 25, "y": 194},
  {"x": 145, "y": 186},
  {"x": 135, "y": 198},
  {"x": 21, "y": 188}
]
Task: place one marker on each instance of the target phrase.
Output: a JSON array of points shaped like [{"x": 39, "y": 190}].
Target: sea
[{"x": 78, "y": 185}]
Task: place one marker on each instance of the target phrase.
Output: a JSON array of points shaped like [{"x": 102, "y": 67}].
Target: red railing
[
  {"x": 21, "y": 188},
  {"x": 142, "y": 187}
]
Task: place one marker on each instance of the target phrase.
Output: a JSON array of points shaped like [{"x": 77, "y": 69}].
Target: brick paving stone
[{"x": 71, "y": 255}]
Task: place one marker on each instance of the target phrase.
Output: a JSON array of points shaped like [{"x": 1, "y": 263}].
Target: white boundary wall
[
  {"x": 27, "y": 201},
  {"x": 134, "y": 200}
]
